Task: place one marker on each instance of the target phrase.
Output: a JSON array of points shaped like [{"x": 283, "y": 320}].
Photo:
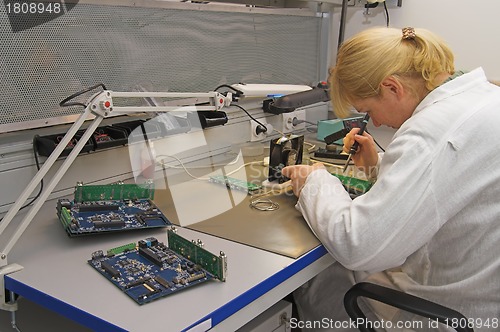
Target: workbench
[{"x": 56, "y": 275}]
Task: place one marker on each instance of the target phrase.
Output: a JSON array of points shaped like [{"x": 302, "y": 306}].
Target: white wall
[{"x": 470, "y": 27}]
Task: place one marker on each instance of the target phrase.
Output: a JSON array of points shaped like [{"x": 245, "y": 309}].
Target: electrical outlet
[
  {"x": 254, "y": 136},
  {"x": 289, "y": 121}
]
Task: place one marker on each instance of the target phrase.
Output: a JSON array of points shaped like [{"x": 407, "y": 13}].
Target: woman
[{"x": 430, "y": 224}]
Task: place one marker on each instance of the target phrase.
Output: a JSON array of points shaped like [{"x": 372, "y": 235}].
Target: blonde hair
[{"x": 372, "y": 55}]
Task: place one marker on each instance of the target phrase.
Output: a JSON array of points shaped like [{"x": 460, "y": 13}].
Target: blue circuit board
[
  {"x": 148, "y": 270},
  {"x": 93, "y": 217}
]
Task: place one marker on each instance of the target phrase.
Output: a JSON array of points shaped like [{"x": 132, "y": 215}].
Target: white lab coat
[{"x": 430, "y": 225}]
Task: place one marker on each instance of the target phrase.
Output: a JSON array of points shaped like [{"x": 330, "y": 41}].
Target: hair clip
[{"x": 409, "y": 33}]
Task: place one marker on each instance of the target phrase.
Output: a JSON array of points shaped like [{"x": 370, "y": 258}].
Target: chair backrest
[{"x": 402, "y": 301}]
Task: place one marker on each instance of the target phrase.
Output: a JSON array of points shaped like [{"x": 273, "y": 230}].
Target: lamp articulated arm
[{"x": 101, "y": 106}]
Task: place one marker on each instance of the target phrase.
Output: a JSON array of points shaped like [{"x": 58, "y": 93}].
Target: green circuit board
[
  {"x": 113, "y": 192},
  {"x": 354, "y": 186},
  {"x": 216, "y": 265},
  {"x": 233, "y": 183}
]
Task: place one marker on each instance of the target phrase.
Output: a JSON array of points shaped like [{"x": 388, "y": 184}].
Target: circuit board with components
[
  {"x": 109, "y": 208},
  {"x": 236, "y": 184},
  {"x": 150, "y": 270},
  {"x": 354, "y": 186}
]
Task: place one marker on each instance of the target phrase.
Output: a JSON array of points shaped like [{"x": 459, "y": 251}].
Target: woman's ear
[{"x": 392, "y": 85}]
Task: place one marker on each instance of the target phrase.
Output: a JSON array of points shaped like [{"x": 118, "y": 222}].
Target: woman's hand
[
  {"x": 298, "y": 175},
  {"x": 366, "y": 157}
]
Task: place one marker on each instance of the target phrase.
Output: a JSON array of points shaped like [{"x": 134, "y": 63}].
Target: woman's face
[{"x": 392, "y": 107}]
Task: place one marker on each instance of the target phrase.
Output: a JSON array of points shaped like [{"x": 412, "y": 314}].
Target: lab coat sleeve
[{"x": 381, "y": 228}]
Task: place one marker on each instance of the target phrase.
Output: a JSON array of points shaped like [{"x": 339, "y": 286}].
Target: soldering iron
[{"x": 355, "y": 145}]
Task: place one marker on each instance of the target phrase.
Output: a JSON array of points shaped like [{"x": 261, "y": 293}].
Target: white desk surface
[{"x": 56, "y": 275}]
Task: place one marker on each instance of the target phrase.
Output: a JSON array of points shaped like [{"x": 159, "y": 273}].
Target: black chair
[{"x": 402, "y": 301}]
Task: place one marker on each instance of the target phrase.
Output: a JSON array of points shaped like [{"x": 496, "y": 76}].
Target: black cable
[
  {"x": 249, "y": 115},
  {"x": 229, "y": 87},
  {"x": 65, "y": 101},
  {"x": 386, "y": 13},
  {"x": 296, "y": 121},
  {"x": 379, "y": 146},
  {"x": 37, "y": 162}
]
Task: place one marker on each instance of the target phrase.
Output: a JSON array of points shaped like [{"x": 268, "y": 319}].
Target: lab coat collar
[{"x": 453, "y": 87}]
